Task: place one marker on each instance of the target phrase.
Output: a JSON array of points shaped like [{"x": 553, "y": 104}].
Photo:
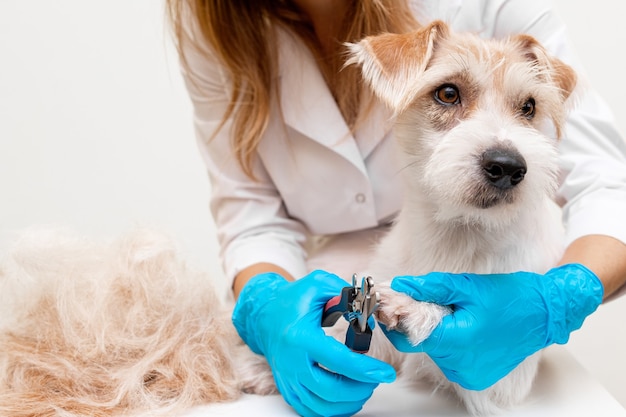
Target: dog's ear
[
  {"x": 559, "y": 73},
  {"x": 392, "y": 63},
  {"x": 556, "y": 72}
]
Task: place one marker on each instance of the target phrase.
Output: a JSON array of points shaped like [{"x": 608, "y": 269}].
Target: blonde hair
[{"x": 241, "y": 33}]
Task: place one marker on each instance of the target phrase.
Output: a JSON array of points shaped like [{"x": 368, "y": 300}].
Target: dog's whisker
[{"x": 406, "y": 166}]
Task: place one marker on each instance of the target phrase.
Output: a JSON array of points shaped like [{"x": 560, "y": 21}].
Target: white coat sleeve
[
  {"x": 593, "y": 153},
  {"x": 250, "y": 217}
]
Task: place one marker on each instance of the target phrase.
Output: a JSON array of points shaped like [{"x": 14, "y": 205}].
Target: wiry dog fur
[
  {"x": 124, "y": 328},
  {"x": 90, "y": 329}
]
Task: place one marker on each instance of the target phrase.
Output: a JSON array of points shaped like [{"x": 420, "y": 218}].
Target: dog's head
[{"x": 477, "y": 120}]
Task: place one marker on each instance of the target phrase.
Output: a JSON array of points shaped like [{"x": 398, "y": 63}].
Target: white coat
[{"x": 314, "y": 177}]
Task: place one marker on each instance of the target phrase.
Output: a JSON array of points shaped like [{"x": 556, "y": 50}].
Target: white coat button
[{"x": 360, "y": 198}]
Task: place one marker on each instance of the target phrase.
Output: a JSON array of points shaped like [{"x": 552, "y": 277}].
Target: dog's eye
[
  {"x": 528, "y": 108},
  {"x": 448, "y": 94}
]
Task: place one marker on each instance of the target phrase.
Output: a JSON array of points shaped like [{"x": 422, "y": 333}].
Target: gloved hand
[
  {"x": 499, "y": 320},
  {"x": 282, "y": 321}
]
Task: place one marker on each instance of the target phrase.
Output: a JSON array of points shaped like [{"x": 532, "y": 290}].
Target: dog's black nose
[{"x": 504, "y": 168}]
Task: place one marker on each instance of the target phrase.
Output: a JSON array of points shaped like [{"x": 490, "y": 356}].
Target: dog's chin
[
  {"x": 487, "y": 208},
  {"x": 490, "y": 219}
]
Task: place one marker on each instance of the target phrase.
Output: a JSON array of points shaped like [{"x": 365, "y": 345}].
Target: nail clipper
[{"x": 356, "y": 304}]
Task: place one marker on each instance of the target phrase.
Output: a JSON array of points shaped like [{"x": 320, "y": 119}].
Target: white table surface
[{"x": 563, "y": 388}]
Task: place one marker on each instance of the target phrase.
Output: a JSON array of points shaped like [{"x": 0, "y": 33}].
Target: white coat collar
[{"x": 309, "y": 107}]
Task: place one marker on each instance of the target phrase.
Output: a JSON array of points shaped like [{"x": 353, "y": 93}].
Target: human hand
[
  {"x": 498, "y": 320},
  {"x": 282, "y": 321}
]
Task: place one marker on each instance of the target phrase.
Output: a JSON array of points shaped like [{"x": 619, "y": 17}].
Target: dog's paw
[
  {"x": 417, "y": 319},
  {"x": 253, "y": 372}
]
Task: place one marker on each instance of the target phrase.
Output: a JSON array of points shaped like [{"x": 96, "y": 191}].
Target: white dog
[
  {"x": 480, "y": 174},
  {"x": 127, "y": 327}
]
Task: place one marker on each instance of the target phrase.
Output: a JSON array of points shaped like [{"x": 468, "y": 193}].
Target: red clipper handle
[
  {"x": 341, "y": 305},
  {"x": 337, "y": 307}
]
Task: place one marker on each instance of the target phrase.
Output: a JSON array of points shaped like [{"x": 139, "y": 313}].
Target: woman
[{"x": 295, "y": 148}]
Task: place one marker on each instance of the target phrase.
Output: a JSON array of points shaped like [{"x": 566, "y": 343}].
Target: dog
[
  {"x": 127, "y": 327},
  {"x": 476, "y": 126}
]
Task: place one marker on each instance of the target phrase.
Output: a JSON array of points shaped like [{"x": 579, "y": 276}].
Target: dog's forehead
[{"x": 485, "y": 57}]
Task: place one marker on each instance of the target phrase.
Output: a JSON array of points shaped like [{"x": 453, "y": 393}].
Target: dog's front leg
[
  {"x": 504, "y": 394},
  {"x": 416, "y": 319}
]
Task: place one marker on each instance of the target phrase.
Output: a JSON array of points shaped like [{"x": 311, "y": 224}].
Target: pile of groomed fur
[{"x": 90, "y": 329}]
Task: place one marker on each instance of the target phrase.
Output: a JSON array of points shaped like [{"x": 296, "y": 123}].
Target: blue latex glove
[
  {"x": 499, "y": 320},
  {"x": 282, "y": 321}
]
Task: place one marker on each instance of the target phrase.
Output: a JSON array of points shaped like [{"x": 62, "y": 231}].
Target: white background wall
[{"x": 95, "y": 132}]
